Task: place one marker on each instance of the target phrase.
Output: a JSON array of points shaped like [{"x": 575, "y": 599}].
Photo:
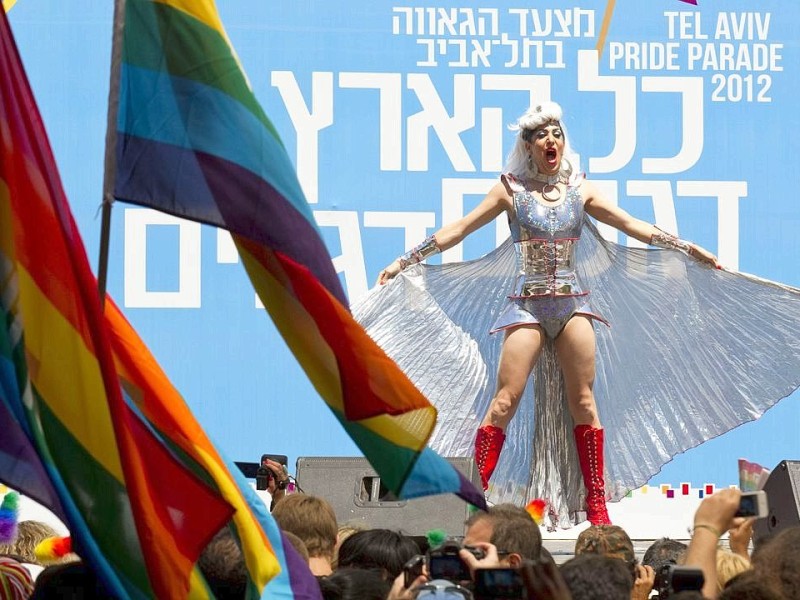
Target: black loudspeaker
[
  {"x": 783, "y": 495},
  {"x": 357, "y": 494}
]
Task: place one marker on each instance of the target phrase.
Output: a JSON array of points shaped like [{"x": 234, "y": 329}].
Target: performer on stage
[{"x": 545, "y": 197}]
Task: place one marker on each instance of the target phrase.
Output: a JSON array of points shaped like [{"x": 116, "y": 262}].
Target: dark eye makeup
[{"x": 542, "y": 133}]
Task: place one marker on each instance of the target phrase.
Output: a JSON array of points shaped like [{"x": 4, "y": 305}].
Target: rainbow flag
[
  {"x": 752, "y": 476},
  {"x": 90, "y": 426},
  {"x": 193, "y": 141},
  {"x": 147, "y": 387}
]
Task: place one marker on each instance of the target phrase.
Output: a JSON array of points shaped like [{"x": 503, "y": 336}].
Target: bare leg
[
  {"x": 575, "y": 347},
  {"x": 521, "y": 348}
]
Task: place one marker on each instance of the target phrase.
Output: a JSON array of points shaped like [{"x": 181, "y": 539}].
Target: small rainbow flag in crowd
[
  {"x": 193, "y": 141},
  {"x": 90, "y": 425},
  {"x": 752, "y": 476}
]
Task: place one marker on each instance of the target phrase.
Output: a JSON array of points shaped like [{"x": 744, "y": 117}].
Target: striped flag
[
  {"x": 192, "y": 140},
  {"x": 267, "y": 557},
  {"x": 90, "y": 426}
]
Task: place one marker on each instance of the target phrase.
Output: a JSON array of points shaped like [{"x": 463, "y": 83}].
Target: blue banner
[{"x": 396, "y": 117}]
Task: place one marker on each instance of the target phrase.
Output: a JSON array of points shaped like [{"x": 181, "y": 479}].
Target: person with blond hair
[
  {"x": 729, "y": 565},
  {"x": 580, "y": 412},
  {"x": 313, "y": 520},
  {"x": 545, "y": 197}
]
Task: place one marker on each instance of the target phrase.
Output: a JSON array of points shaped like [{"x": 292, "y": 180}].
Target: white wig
[{"x": 517, "y": 162}]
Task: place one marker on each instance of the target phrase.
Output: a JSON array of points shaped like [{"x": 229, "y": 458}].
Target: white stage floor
[{"x": 647, "y": 514}]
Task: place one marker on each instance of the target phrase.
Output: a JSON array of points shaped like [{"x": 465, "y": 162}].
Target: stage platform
[{"x": 646, "y": 514}]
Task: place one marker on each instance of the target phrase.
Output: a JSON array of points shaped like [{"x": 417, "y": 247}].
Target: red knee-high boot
[
  {"x": 488, "y": 444},
  {"x": 590, "y": 454}
]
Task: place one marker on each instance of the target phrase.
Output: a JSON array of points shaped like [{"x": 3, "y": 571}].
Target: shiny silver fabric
[
  {"x": 546, "y": 267},
  {"x": 427, "y": 248},
  {"x": 546, "y": 289},
  {"x": 545, "y": 239},
  {"x": 692, "y": 353},
  {"x": 662, "y": 239},
  {"x": 536, "y": 220}
]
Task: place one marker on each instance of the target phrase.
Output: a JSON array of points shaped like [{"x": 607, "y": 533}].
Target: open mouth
[{"x": 551, "y": 155}]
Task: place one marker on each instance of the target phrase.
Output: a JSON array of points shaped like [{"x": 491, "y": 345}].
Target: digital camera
[
  {"x": 672, "y": 579},
  {"x": 445, "y": 563}
]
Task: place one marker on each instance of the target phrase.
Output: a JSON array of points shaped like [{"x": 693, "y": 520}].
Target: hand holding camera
[
  {"x": 454, "y": 563},
  {"x": 644, "y": 582},
  {"x": 716, "y": 513},
  {"x": 272, "y": 474},
  {"x": 672, "y": 579},
  {"x": 739, "y": 537},
  {"x": 413, "y": 570},
  {"x": 481, "y": 555},
  {"x": 449, "y": 568}
]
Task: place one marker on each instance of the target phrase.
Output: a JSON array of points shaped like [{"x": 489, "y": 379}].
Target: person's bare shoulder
[{"x": 588, "y": 190}]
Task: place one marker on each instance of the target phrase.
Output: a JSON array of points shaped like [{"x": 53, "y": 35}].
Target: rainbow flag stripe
[
  {"x": 147, "y": 387},
  {"x": 193, "y": 141},
  {"x": 69, "y": 403},
  {"x": 140, "y": 487}
]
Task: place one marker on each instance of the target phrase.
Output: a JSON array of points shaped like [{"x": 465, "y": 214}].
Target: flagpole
[{"x": 110, "y": 167}]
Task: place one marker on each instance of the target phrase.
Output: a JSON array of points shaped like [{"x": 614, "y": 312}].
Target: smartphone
[
  {"x": 498, "y": 583},
  {"x": 753, "y": 504},
  {"x": 412, "y": 569}
]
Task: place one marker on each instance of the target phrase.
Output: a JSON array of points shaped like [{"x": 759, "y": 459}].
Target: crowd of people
[
  {"x": 500, "y": 555},
  {"x": 506, "y": 539}
]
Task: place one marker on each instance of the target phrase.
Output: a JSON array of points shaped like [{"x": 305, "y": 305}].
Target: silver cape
[{"x": 691, "y": 353}]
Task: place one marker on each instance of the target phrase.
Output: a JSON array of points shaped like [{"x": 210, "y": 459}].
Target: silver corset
[{"x": 545, "y": 238}]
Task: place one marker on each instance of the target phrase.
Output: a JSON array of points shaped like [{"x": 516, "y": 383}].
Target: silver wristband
[
  {"x": 662, "y": 239},
  {"x": 427, "y": 248}
]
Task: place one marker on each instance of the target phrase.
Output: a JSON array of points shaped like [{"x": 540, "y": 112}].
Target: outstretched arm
[
  {"x": 494, "y": 203},
  {"x": 597, "y": 206},
  {"x": 714, "y": 516}
]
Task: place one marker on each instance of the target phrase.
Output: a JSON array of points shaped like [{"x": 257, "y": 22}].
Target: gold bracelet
[{"x": 712, "y": 529}]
